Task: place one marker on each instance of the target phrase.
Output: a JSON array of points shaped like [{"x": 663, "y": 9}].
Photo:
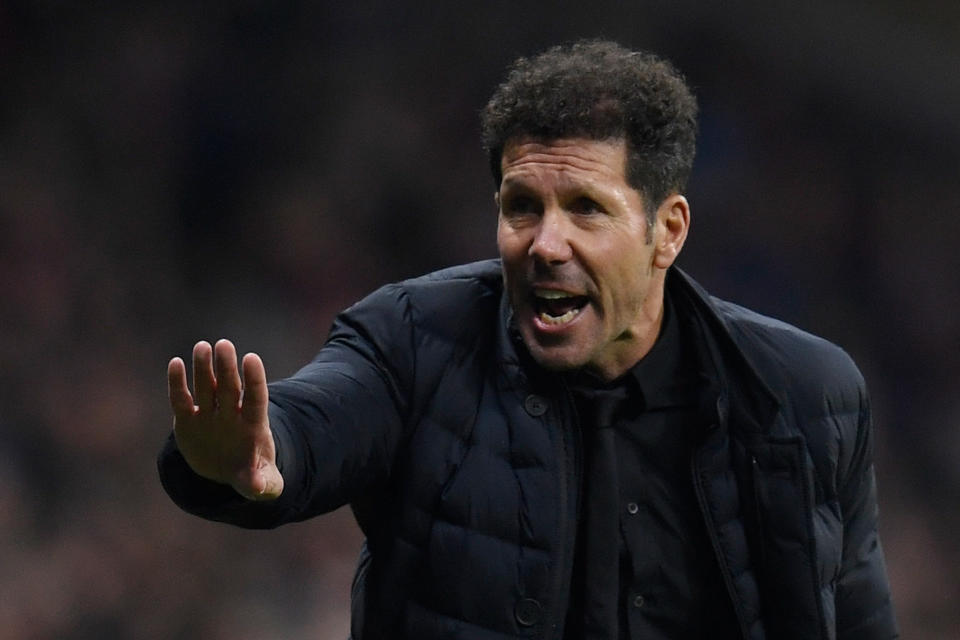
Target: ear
[
  {"x": 670, "y": 231},
  {"x": 496, "y": 199}
]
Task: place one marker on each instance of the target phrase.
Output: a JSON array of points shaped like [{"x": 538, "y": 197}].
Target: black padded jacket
[{"x": 461, "y": 460}]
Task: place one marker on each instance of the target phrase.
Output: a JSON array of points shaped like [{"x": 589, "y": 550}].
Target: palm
[{"x": 223, "y": 430}]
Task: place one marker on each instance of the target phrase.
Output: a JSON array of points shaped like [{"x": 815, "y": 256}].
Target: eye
[
  {"x": 519, "y": 205},
  {"x": 586, "y": 206}
]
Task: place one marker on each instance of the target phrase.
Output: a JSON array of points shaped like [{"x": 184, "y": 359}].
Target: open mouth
[{"x": 555, "y": 308}]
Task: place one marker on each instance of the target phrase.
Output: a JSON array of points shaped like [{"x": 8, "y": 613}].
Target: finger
[
  {"x": 204, "y": 382},
  {"x": 180, "y": 399},
  {"x": 255, "y": 396},
  {"x": 228, "y": 377}
]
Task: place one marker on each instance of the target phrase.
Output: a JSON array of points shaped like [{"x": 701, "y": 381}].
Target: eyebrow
[{"x": 515, "y": 183}]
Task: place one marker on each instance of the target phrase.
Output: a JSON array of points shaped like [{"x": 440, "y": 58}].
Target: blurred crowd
[{"x": 172, "y": 172}]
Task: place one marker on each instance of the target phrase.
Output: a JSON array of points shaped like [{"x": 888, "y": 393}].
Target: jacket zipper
[{"x": 757, "y": 509}]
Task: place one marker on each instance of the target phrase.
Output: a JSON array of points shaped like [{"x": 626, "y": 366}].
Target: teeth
[
  {"x": 551, "y": 294},
  {"x": 546, "y": 318}
]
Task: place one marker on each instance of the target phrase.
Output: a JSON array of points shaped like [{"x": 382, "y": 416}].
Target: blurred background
[{"x": 171, "y": 171}]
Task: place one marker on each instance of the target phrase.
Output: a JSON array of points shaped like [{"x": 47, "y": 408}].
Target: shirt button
[
  {"x": 535, "y": 405},
  {"x": 632, "y": 508},
  {"x": 528, "y": 612},
  {"x": 638, "y": 602}
]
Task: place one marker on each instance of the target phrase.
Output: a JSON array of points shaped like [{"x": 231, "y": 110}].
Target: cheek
[
  {"x": 503, "y": 233},
  {"x": 503, "y": 246},
  {"x": 510, "y": 244},
  {"x": 630, "y": 287}
]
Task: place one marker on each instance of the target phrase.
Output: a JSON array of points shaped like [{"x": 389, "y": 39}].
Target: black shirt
[{"x": 644, "y": 566}]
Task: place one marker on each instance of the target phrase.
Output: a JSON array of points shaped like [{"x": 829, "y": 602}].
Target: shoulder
[
  {"x": 456, "y": 290},
  {"x": 818, "y": 386},
  {"x": 778, "y": 343},
  {"x": 456, "y": 302},
  {"x": 799, "y": 368},
  {"x": 804, "y": 370}
]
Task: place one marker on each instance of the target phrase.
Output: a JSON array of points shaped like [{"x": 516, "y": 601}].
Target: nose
[{"x": 551, "y": 244}]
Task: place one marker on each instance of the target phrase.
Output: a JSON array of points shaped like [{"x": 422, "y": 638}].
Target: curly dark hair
[{"x": 600, "y": 90}]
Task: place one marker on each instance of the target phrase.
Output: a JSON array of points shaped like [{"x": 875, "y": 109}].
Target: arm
[
  {"x": 334, "y": 427},
  {"x": 864, "y": 607}
]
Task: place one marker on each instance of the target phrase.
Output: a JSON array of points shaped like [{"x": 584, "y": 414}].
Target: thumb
[
  {"x": 272, "y": 483},
  {"x": 266, "y": 483}
]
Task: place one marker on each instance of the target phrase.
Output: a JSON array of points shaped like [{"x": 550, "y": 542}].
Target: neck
[{"x": 637, "y": 341}]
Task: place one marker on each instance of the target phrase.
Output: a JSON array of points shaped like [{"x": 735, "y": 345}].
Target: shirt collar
[{"x": 667, "y": 376}]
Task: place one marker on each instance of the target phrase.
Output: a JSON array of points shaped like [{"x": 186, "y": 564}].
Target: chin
[{"x": 554, "y": 358}]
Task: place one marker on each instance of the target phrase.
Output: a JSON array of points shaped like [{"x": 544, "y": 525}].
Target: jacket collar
[{"x": 742, "y": 396}]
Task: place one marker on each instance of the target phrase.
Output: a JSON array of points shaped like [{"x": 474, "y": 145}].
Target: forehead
[{"x": 565, "y": 159}]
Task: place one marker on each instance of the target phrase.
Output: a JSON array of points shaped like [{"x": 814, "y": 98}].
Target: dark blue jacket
[{"x": 461, "y": 459}]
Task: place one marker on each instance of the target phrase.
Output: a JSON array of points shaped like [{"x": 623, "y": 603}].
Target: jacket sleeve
[
  {"x": 337, "y": 422},
  {"x": 863, "y": 604}
]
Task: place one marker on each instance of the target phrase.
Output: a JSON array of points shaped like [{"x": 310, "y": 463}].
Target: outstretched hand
[{"x": 223, "y": 432}]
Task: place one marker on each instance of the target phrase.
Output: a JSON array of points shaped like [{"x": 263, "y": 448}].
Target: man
[{"x": 575, "y": 441}]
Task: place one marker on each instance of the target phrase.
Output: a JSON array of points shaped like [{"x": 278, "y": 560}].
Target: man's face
[{"x": 583, "y": 271}]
